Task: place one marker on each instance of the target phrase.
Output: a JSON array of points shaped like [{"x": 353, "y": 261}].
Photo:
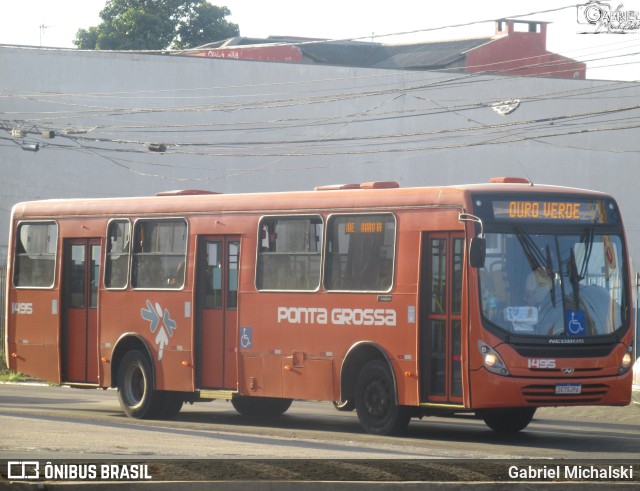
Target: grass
[{"x": 7, "y": 375}]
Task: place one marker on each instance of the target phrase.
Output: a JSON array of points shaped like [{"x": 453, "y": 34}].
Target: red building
[
  {"x": 517, "y": 48},
  {"x": 520, "y": 48}
]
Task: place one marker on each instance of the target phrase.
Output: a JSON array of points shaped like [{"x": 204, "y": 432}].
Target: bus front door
[
  {"x": 441, "y": 320},
  {"x": 216, "y": 311},
  {"x": 80, "y": 310}
]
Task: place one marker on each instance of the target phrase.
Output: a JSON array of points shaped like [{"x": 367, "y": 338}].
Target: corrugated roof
[
  {"x": 400, "y": 56},
  {"x": 373, "y": 55},
  {"x": 348, "y": 53},
  {"x": 428, "y": 55}
]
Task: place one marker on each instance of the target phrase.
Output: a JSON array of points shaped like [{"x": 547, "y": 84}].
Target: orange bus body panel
[{"x": 33, "y": 334}]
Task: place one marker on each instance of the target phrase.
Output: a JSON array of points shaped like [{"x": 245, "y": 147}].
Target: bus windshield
[{"x": 553, "y": 285}]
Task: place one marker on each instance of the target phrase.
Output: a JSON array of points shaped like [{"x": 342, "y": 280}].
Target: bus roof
[{"x": 337, "y": 197}]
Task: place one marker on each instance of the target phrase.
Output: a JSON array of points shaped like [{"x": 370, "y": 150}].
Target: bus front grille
[{"x": 546, "y": 394}]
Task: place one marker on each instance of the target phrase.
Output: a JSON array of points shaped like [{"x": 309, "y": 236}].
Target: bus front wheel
[
  {"x": 375, "y": 399},
  {"x": 135, "y": 388},
  {"x": 508, "y": 420}
]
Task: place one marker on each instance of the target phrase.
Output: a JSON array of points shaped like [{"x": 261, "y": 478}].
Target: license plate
[{"x": 568, "y": 389}]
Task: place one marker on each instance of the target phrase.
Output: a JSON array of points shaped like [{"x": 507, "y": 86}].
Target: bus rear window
[
  {"x": 35, "y": 254},
  {"x": 360, "y": 252},
  {"x": 289, "y": 253}
]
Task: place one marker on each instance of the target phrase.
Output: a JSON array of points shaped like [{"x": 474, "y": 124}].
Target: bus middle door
[{"x": 216, "y": 312}]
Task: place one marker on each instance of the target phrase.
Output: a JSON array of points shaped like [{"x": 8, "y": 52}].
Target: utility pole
[{"x": 42, "y": 28}]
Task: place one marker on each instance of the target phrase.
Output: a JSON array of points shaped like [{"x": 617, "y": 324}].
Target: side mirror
[{"x": 477, "y": 252}]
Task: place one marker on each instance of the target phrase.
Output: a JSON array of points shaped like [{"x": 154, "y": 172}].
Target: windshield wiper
[
  {"x": 552, "y": 277},
  {"x": 574, "y": 278},
  {"x": 534, "y": 256},
  {"x": 536, "y": 260},
  {"x": 588, "y": 241},
  {"x": 575, "y": 275}
]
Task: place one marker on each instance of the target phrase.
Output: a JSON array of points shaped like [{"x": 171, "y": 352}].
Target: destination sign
[
  {"x": 551, "y": 211},
  {"x": 364, "y": 227}
]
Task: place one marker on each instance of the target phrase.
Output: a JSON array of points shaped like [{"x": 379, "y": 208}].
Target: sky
[{"x": 610, "y": 56}]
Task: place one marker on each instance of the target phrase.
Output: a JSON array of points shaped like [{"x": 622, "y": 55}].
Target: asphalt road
[{"x": 45, "y": 422}]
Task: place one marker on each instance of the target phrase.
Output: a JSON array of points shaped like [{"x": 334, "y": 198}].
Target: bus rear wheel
[
  {"x": 135, "y": 388},
  {"x": 347, "y": 405},
  {"x": 261, "y": 406},
  {"x": 375, "y": 400},
  {"x": 508, "y": 420},
  {"x": 170, "y": 404}
]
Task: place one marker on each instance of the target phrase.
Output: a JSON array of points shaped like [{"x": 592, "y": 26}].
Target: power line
[{"x": 269, "y": 103}]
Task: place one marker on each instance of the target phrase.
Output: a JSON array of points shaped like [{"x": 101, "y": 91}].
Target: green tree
[
  {"x": 204, "y": 24},
  {"x": 156, "y": 25}
]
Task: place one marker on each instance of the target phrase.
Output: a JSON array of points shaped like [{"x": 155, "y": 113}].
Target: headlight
[
  {"x": 492, "y": 360},
  {"x": 627, "y": 361}
]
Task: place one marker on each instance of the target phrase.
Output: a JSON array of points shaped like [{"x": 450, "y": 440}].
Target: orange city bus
[{"x": 493, "y": 298}]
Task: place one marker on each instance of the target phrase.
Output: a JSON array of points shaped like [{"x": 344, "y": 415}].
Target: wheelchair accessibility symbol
[
  {"x": 246, "y": 337},
  {"x": 575, "y": 323}
]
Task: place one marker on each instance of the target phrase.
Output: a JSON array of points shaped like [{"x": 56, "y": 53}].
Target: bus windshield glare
[{"x": 553, "y": 284}]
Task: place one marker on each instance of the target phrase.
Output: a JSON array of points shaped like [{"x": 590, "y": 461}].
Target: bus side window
[
  {"x": 159, "y": 248},
  {"x": 35, "y": 254},
  {"x": 117, "y": 263},
  {"x": 360, "y": 252},
  {"x": 289, "y": 253}
]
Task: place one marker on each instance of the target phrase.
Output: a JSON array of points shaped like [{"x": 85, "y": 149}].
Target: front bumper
[{"x": 489, "y": 390}]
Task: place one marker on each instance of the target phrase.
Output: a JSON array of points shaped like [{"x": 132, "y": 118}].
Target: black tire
[
  {"x": 508, "y": 420},
  {"x": 261, "y": 407},
  {"x": 376, "y": 403},
  {"x": 347, "y": 405},
  {"x": 170, "y": 404},
  {"x": 135, "y": 387}
]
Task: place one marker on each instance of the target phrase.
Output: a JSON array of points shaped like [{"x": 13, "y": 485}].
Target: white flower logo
[{"x": 159, "y": 320}]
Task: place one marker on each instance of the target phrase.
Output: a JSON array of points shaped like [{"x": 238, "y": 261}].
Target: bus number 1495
[
  {"x": 541, "y": 363},
  {"x": 24, "y": 308}
]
